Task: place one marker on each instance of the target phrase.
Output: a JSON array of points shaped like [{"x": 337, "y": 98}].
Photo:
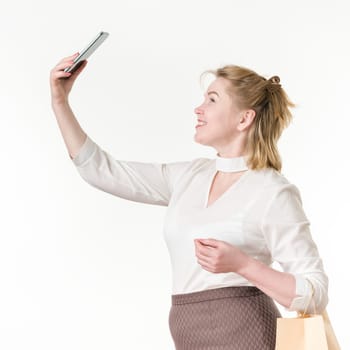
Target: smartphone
[{"x": 101, "y": 37}]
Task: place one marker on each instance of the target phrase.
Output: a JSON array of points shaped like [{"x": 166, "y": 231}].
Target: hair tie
[
  {"x": 273, "y": 84},
  {"x": 275, "y": 79}
]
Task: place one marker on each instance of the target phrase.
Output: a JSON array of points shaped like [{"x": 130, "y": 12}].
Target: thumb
[{"x": 209, "y": 241}]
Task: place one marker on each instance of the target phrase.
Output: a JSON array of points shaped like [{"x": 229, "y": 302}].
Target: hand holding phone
[{"x": 94, "y": 44}]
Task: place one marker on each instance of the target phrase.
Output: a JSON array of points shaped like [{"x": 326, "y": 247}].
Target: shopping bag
[
  {"x": 306, "y": 331},
  {"x": 302, "y": 333}
]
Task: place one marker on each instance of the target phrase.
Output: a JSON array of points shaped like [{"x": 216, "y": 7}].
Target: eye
[{"x": 212, "y": 100}]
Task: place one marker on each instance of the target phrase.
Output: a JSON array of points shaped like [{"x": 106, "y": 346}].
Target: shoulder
[
  {"x": 193, "y": 165},
  {"x": 281, "y": 199},
  {"x": 188, "y": 168},
  {"x": 199, "y": 164},
  {"x": 273, "y": 182}
]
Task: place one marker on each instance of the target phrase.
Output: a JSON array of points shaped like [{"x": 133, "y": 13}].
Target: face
[{"x": 220, "y": 116}]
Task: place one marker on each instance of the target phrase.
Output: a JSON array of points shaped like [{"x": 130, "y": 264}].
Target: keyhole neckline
[{"x": 212, "y": 176}]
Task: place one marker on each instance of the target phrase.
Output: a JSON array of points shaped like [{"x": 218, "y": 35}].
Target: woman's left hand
[{"x": 219, "y": 256}]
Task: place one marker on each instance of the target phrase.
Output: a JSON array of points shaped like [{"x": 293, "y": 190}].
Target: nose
[{"x": 198, "y": 110}]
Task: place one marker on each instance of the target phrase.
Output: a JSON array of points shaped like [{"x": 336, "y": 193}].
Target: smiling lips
[{"x": 200, "y": 123}]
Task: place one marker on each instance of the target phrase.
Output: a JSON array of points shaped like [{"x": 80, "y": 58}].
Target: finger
[
  {"x": 203, "y": 258},
  {"x": 206, "y": 266},
  {"x": 204, "y": 247},
  {"x": 74, "y": 55},
  {"x": 208, "y": 242},
  {"x": 64, "y": 65},
  {"x": 68, "y": 58},
  {"x": 60, "y": 74},
  {"x": 204, "y": 251}
]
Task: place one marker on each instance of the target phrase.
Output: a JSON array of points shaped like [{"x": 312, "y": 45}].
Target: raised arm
[
  {"x": 61, "y": 84},
  {"x": 150, "y": 183}
]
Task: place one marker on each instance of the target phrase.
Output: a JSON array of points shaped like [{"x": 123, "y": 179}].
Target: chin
[{"x": 200, "y": 140}]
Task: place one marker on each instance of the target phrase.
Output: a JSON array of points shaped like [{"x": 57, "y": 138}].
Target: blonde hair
[{"x": 271, "y": 105}]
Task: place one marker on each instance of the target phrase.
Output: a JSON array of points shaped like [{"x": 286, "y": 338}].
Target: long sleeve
[
  {"x": 287, "y": 233},
  {"x": 150, "y": 183}
]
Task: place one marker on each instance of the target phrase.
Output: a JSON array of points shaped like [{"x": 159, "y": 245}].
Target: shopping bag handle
[{"x": 303, "y": 314}]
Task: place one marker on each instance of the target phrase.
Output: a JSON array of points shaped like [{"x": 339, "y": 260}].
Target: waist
[{"x": 217, "y": 293}]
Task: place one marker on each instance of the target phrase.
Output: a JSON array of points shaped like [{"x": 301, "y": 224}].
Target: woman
[{"x": 227, "y": 219}]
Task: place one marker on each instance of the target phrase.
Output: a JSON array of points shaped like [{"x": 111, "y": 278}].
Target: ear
[{"x": 246, "y": 119}]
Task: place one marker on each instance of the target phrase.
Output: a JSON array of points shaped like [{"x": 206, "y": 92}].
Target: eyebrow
[{"x": 213, "y": 92}]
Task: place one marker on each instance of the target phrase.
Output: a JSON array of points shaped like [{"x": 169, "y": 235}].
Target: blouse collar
[{"x": 231, "y": 165}]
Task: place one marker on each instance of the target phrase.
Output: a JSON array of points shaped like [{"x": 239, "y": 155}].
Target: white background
[{"x": 82, "y": 269}]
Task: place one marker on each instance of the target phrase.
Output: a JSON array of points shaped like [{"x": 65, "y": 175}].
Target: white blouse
[{"x": 261, "y": 214}]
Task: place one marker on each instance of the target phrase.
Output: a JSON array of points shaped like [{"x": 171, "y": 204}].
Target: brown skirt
[{"x": 230, "y": 318}]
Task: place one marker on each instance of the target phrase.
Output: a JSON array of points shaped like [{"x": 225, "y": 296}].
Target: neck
[
  {"x": 234, "y": 148},
  {"x": 230, "y": 154},
  {"x": 231, "y": 164}
]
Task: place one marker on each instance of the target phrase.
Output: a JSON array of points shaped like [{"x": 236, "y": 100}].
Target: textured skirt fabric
[{"x": 230, "y": 318}]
